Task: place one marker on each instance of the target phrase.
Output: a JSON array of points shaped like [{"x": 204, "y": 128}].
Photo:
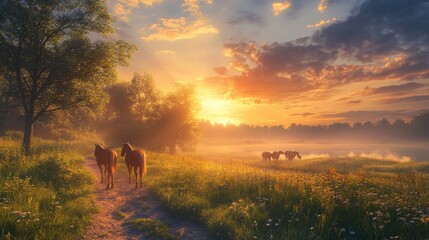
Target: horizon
[{"x": 306, "y": 62}]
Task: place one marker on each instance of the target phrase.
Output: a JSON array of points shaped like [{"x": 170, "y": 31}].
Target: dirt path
[{"x": 131, "y": 203}]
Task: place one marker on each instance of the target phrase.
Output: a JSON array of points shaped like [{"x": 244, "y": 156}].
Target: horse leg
[
  {"x": 108, "y": 179},
  {"x": 129, "y": 173},
  {"x": 135, "y": 174},
  {"x": 112, "y": 177},
  {"x": 101, "y": 171},
  {"x": 141, "y": 178}
]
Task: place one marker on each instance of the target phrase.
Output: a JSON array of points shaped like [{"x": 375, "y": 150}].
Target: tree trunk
[
  {"x": 4, "y": 113},
  {"x": 28, "y": 133}
]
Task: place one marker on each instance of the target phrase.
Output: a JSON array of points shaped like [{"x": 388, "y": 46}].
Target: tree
[
  {"x": 178, "y": 123},
  {"x": 54, "y": 64}
]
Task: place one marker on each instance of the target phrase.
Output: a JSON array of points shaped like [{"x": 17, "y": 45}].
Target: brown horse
[
  {"x": 290, "y": 155},
  {"x": 276, "y": 155},
  {"x": 135, "y": 159},
  {"x": 266, "y": 156},
  {"x": 107, "y": 158}
]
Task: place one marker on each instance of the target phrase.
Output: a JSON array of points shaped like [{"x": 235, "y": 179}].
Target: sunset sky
[{"x": 269, "y": 63}]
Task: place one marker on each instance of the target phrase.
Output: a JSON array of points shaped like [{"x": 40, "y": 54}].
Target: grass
[
  {"x": 152, "y": 228},
  {"x": 119, "y": 215},
  {"x": 235, "y": 199},
  {"x": 46, "y": 195}
]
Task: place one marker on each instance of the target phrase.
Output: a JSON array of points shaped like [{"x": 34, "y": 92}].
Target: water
[{"x": 403, "y": 152}]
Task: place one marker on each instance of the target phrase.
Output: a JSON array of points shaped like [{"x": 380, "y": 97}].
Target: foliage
[
  {"x": 40, "y": 197},
  {"x": 242, "y": 200},
  {"x": 54, "y": 65},
  {"x": 143, "y": 116}
]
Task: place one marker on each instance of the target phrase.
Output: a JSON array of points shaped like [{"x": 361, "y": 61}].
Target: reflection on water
[{"x": 393, "y": 152}]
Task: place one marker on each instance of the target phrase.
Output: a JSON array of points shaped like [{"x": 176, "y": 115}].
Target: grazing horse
[
  {"x": 290, "y": 155},
  {"x": 135, "y": 159},
  {"x": 266, "y": 156},
  {"x": 108, "y": 158},
  {"x": 276, "y": 155}
]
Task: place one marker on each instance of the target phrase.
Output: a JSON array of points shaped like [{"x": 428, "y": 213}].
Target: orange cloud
[
  {"x": 322, "y": 23},
  {"x": 122, "y": 12},
  {"x": 136, "y": 3},
  {"x": 279, "y": 7},
  {"x": 123, "y": 8},
  {"x": 323, "y": 5},
  {"x": 193, "y": 6},
  {"x": 173, "y": 29}
]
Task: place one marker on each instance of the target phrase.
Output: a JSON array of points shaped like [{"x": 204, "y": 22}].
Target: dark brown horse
[
  {"x": 290, "y": 155},
  {"x": 135, "y": 160},
  {"x": 276, "y": 155},
  {"x": 107, "y": 158},
  {"x": 266, "y": 156}
]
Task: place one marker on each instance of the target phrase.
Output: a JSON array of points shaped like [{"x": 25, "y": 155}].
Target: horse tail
[
  {"x": 142, "y": 162},
  {"x": 113, "y": 159}
]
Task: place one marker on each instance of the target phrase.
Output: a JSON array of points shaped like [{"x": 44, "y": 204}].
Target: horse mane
[
  {"x": 98, "y": 148},
  {"x": 129, "y": 146}
]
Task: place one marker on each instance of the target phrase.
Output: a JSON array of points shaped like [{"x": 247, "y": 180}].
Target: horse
[
  {"x": 276, "y": 155},
  {"x": 266, "y": 156},
  {"x": 135, "y": 159},
  {"x": 108, "y": 158},
  {"x": 290, "y": 155}
]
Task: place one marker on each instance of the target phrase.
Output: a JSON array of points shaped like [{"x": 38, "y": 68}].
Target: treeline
[
  {"x": 399, "y": 130},
  {"x": 135, "y": 111},
  {"x": 139, "y": 113}
]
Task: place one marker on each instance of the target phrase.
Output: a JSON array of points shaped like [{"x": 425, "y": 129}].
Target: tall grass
[
  {"x": 238, "y": 200},
  {"x": 46, "y": 195}
]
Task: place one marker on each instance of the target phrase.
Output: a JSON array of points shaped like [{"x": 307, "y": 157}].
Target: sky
[{"x": 266, "y": 62}]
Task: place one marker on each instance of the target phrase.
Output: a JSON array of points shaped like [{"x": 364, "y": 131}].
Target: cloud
[
  {"x": 322, "y": 23},
  {"x": 193, "y": 6},
  {"x": 381, "y": 40},
  {"x": 279, "y": 7},
  {"x": 122, "y": 12},
  {"x": 393, "y": 89},
  {"x": 123, "y": 8},
  {"x": 246, "y": 17},
  {"x": 173, "y": 29},
  {"x": 165, "y": 52},
  {"x": 136, "y": 3},
  {"x": 323, "y": 5},
  {"x": 415, "y": 98}
]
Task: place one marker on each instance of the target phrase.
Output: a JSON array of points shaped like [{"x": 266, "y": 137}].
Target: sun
[{"x": 218, "y": 111}]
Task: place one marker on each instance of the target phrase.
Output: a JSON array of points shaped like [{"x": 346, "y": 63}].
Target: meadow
[
  {"x": 341, "y": 198},
  {"x": 45, "y": 195}
]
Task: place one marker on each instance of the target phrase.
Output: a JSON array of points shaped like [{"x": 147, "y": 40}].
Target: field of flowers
[
  {"x": 46, "y": 195},
  {"x": 350, "y": 198}
]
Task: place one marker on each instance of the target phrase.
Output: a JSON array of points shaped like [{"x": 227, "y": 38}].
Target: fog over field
[{"x": 248, "y": 149}]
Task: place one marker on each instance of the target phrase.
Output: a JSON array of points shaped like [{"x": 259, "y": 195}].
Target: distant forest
[{"x": 417, "y": 129}]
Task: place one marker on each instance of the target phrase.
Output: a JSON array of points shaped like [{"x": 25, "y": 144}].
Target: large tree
[
  {"x": 45, "y": 45},
  {"x": 178, "y": 124}
]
